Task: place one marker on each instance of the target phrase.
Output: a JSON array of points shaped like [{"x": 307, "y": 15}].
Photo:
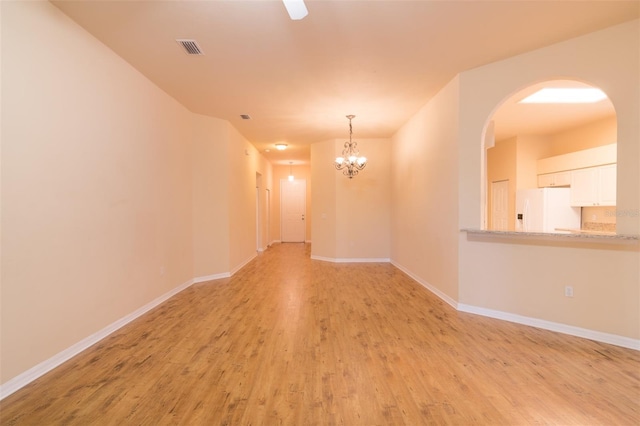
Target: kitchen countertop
[
  {"x": 585, "y": 231},
  {"x": 586, "y": 236}
]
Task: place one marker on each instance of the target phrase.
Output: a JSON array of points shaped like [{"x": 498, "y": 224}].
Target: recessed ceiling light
[
  {"x": 558, "y": 95},
  {"x": 281, "y": 146}
]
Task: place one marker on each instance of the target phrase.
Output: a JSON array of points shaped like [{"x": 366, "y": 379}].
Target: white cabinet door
[
  {"x": 594, "y": 186},
  {"x": 562, "y": 179},
  {"x": 584, "y": 183},
  {"x": 554, "y": 179},
  {"x": 608, "y": 185},
  {"x": 545, "y": 181}
]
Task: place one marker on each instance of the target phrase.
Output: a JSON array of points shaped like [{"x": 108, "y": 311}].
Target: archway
[{"x": 534, "y": 145}]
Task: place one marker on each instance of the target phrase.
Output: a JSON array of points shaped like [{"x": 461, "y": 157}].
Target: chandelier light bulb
[{"x": 350, "y": 163}]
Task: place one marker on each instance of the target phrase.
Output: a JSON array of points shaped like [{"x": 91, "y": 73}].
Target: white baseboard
[
  {"x": 243, "y": 264},
  {"x": 44, "y": 367},
  {"x": 446, "y": 298},
  {"x": 211, "y": 277},
  {"x": 598, "y": 336},
  {"x": 351, "y": 260}
]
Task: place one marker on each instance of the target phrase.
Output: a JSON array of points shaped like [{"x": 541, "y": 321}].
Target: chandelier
[{"x": 350, "y": 163}]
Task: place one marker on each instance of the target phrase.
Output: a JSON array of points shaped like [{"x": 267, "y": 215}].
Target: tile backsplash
[
  {"x": 596, "y": 226},
  {"x": 599, "y": 219}
]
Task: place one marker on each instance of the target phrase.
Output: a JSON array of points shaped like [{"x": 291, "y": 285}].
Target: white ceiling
[{"x": 379, "y": 60}]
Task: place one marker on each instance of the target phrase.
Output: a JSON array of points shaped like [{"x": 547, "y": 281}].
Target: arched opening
[{"x": 554, "y": 149}]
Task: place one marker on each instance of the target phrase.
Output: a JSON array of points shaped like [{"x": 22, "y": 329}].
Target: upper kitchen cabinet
[
  {"x": 558, "y": 179},
  {"x": 594, "y": 186}
]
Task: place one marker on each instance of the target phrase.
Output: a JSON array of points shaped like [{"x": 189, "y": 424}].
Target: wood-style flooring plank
[{"x": 292, "y": 341}]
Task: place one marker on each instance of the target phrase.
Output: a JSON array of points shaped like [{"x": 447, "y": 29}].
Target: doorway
[
  {"x": 293, "y": 210},
  {"x": 259, "y": 241},
  {"x": 500, "y": 205}
]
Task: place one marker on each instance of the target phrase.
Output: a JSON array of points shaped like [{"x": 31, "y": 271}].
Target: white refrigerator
[{"x": 545, "y": 210}]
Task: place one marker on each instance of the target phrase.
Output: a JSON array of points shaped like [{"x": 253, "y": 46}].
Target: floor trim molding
[
  {"x": 612, "y": 339},
  {"x": 598, "y": 336},
  {"x": 211, "y": 277},
  {"x": 446, "y": 298},
  {"x": 243, "y": 264},
  {"x": 44, "y": 367}
]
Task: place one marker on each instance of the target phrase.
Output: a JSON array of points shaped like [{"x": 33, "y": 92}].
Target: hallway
[{"x": 288, "y": 340}]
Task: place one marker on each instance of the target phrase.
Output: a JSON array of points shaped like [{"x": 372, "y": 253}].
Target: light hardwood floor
[{"x": 292, "y": 341}]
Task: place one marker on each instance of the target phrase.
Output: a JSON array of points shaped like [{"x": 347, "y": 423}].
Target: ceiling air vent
[
  {"x": 245, "y": 116},
  {"x": 190, "y": 46}
]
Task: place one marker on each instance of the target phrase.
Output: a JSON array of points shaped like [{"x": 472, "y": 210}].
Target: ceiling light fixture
[
  {"x": 558, "y": 95},
  {"x": 296, "y": 9},
  {"x": 291, "y": 178},
  {"x": 350, "y": 161},
  {"x": 281, "y": 146}
]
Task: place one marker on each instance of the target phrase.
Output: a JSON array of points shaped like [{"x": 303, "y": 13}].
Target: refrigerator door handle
[{"x": 525, "y": 219}]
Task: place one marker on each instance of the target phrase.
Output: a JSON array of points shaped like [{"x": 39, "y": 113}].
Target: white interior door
[
  {"x": 292, "y": 210},
  {"x": 500, "y": 205}
]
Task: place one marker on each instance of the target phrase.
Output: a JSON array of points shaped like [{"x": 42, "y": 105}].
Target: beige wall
[
  {"x": 210, "y": 197},
  {"x": 263, "y": 182},
  {"x": 363, "y": 203},
  {"x": 300, "y": 171},
  {"x": 424, "y": 177},
  {"x": 226, "y": 171},
  {"x": 527, "y": 278},
  {"x": 323, "y": 207},
  {"x": 113, "y": 194},
  {"x": 244, "y": 161},
  {"x": 96, "y": 187},
  {"x": 529, "y": 150},
  {"x": 351, "y": 216},
  {"x": 591, "y": 135}
]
